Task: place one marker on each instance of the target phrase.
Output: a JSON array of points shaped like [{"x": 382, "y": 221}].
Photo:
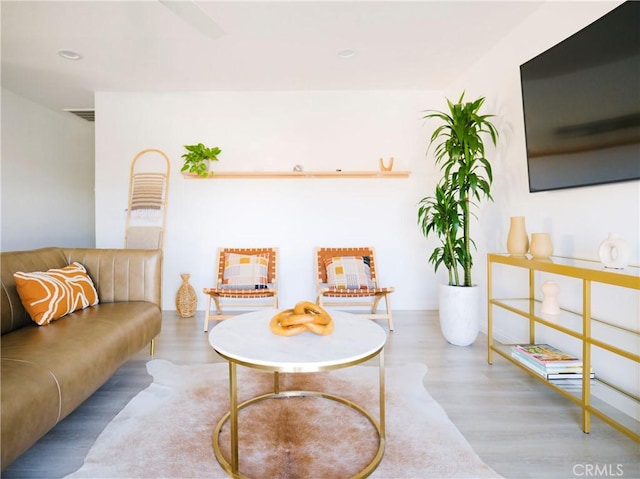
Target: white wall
[
  {"x": 347, "y": 130},
  {"x": 275, "y": 131},
  {"x": 47, "y": 177},
  {"x": 578, "y": 219}
]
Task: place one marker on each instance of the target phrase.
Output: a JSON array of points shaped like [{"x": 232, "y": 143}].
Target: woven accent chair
[
  {"x": 246, "y": 278},
  {"x": 340, "y": 281}
]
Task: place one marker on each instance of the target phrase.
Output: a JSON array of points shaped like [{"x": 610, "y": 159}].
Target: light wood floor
[{"x": 516, "y": 425}]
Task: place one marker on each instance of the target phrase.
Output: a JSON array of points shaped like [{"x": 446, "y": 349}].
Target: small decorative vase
[
  {"x": 614, "y": 252},
  {"x": 384, "y": 166},
  {"x": 541, "y": 245},
  {"x": 517, "y": 240},
  {"x": 550, "y": 305},
  {"x": 186, "y": 299}
]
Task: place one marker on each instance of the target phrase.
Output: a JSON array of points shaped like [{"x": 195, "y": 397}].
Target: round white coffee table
[{"x": 247, "y": 340}]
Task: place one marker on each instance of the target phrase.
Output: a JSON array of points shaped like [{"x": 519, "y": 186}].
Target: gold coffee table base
[
  {"x": 368, "y": 469},
  {"x": 247, "y": 341}
]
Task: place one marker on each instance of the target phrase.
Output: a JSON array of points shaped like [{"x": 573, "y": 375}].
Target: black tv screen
[{"x": 581, "y": 102}]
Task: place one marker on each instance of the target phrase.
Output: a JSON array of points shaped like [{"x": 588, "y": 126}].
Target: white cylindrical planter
[{"x": 459, "y": 313}]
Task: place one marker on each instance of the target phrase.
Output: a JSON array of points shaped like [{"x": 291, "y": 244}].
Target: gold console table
[{"x": 579, "y": 325}]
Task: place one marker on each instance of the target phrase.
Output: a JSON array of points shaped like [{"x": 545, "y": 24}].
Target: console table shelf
[
  {"x": 580, "y": 325},
  {"x": 299, "y": 174}
]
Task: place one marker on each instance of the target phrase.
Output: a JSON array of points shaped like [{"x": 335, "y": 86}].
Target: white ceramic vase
[
  {"x": 550, "y": 291},
  {"x": 459, "y": 313},
  {"x": 517, "y": 240},
  {"x": 614, "y": 252}
]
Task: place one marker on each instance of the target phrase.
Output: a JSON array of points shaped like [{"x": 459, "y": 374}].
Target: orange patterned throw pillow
[{"x": 50, "y": 295}]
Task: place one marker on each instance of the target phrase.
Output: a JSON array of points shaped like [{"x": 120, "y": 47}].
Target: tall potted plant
[{"x": 466, "y": 180}]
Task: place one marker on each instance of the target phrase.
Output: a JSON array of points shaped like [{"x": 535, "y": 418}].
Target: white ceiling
[{"x": 263, "y": 45}]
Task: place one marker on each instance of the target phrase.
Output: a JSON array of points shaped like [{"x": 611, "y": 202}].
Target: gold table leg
[
  {"x": 233, "y": 411},
  {"x": 381, "y": 386}
]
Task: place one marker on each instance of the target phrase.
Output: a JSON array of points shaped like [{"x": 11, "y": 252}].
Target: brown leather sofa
[{"x": 48, "y": 371}]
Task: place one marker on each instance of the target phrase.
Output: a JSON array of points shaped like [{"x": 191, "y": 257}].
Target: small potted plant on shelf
[
  {"x": 198, "y": 158},
  {"x": 466, "y": 179}
]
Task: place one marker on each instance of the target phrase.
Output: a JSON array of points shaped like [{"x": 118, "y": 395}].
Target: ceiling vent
[{"x": 86, "y": 114}]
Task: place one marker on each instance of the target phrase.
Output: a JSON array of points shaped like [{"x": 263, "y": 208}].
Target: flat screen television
[{"x": 581, "y": 101}]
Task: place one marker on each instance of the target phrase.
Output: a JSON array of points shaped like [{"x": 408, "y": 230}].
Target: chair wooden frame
[
  {"x": 371, "y": 297},
  {"x": 246, "y": 298}
]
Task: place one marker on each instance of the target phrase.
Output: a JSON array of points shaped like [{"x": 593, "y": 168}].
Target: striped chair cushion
[
  {"x": 349, "y": 272},
  {"x": 50, "y": 295},
  {"x": 245, "y": 270}
]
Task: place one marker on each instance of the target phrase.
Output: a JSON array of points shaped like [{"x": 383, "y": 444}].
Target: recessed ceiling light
[
  {"x": 346, "y": 54},
  {"x": 69, "y": 55}
]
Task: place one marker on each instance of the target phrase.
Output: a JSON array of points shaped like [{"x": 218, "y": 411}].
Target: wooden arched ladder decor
[{"x": 148, "y": 194}]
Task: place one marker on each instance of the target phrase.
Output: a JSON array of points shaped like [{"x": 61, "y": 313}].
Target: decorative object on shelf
[
  {"x": 614, "y": 252},
  {"x": 304, "y": 316},
  {"x": 541, "y": 245},
  {"x": 198, "y": 159},
  {"x": 550, "y": 291},
  {"x": 517, "y": 240},
  {"x": 385, "y": 167},
  {"x": 466, "y": 179},
  {"x": 298, "y": 168},
  {"x": 186, "y": 299}
]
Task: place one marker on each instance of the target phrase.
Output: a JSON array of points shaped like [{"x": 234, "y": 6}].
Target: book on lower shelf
[
  {"x": 553, "y": 372},
  {"x": 571, "y": 384},
  {"x": 547, "y": 355}
]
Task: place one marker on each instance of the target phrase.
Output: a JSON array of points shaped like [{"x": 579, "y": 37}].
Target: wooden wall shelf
[{"x": 299, "y": 174}]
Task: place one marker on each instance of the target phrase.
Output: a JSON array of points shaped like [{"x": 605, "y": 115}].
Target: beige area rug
[{"x": 165, "y": 431}]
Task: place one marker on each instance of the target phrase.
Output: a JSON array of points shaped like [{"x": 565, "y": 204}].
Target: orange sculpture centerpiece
[{"x": 305, "y": 316}]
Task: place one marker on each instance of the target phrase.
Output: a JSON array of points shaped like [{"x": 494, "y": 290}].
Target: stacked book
[{"x": 549, "y": 362}]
